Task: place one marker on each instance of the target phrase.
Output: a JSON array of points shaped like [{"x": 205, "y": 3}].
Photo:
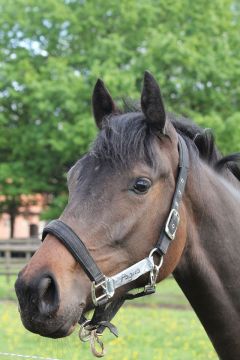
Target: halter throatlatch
[{"x": 103, "y": 287}]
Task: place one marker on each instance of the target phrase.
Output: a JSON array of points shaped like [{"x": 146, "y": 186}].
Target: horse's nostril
[
  {"x": 48, "y": 296},
  {"x": 43, "y": 286}
]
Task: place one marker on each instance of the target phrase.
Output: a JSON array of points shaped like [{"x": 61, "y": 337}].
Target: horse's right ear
[{"x": 102, "y": 103}]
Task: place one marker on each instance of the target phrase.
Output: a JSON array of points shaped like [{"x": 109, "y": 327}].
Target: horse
[{"x": 152, "y": 197}]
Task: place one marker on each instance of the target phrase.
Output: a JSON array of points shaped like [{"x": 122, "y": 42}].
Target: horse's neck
[{"x": 209, "y": 270}]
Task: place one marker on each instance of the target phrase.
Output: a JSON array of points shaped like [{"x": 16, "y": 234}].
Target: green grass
[
  {"x": 7, "y": 288},
  {"x": 147, "y": 329},
  {"x": 147, "y": 333}
]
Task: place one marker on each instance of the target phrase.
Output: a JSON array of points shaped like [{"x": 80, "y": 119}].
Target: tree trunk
[
  {"x": 12, "y": 223},
  {"x": 13, "y": 206}
]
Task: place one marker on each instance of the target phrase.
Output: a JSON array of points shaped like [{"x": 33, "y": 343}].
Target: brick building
[{"x": 27, "y": 222}]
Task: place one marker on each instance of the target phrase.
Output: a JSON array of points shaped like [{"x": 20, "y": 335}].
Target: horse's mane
[
  {"x": 130, "y": 140},
  {"x": 204, "y": 141}
]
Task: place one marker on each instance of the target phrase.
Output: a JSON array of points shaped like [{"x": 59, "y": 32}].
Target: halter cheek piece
[{"x": 103, "y": 287}]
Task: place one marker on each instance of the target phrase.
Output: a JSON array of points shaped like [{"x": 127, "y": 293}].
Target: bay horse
[{"x": 146, "y": 174}]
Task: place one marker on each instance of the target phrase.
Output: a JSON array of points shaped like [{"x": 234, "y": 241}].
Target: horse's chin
[
  {"x": 63, "y": 331},
  {"x": 56, "y": 327}
]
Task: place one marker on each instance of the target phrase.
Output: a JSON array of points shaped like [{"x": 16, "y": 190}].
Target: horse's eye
[{"x": 141, "y": 186}]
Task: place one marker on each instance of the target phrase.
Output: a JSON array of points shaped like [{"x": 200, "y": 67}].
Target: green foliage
[
  {"x": 56, "y": 207},
  {"x": 52, "y": 51}
]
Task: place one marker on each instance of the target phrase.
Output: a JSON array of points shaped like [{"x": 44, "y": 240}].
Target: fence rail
[{"x": 15, "y": 253}]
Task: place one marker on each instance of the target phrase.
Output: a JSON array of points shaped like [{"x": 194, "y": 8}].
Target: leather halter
[{"x": 105, "y": 285}]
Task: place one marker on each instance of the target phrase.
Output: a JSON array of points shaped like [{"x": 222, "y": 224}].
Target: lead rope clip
[{"x": 92, "y": 335}]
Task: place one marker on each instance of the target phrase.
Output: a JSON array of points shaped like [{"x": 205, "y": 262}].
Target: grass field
[{"x": 161, "y": 327}]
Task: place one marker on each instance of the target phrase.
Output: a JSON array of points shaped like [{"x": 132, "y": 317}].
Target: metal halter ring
[
  {"x": 84, "y": 332},
  {"x": 157, "y": 267},
  {"x": 151, "y": 287}
]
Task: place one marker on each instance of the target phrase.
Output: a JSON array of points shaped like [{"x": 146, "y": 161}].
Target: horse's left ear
[
  {"x": 152, "y": 103},
  {"x": 102, "y": 103}
]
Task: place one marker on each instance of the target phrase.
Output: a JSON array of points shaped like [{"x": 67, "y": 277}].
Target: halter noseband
[{"x": 103, "y": 287}]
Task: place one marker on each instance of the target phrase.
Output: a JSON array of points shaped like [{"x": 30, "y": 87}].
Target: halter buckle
[
  {"x": 106, "y": 288},
  {"x": 172, "y": 224}
]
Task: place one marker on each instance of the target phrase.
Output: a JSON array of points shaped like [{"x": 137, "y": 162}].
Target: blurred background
[{"x": 51, "y": 53}]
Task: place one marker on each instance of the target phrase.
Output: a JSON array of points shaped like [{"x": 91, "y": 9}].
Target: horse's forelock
[{"x": 124, "y": 140}]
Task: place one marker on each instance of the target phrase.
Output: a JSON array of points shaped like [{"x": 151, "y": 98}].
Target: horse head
[{"x": 120, "y": 194}]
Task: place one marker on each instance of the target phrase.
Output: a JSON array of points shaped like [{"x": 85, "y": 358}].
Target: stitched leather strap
[
  {"x": 168, "y": 232},
  {"x": 76, "y": 247}
]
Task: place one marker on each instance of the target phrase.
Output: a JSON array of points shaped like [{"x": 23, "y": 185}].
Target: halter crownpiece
[{"x": 103, "y": 287}]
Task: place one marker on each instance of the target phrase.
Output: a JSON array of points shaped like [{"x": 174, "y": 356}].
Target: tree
[{"x": 52, "y": 52}]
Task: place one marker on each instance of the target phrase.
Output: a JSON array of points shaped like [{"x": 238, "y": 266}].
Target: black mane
[
  {"x": 204, "y": 140},
  {"x": 128, "y": 138}
]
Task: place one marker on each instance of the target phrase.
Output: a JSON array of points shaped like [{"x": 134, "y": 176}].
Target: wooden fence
[{"x": 15, "y": 253}]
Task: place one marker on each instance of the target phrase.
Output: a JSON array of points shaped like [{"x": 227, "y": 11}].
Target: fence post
[
  {"x": 8, "y": 264},
  {"x": 12, "y": 265}
]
